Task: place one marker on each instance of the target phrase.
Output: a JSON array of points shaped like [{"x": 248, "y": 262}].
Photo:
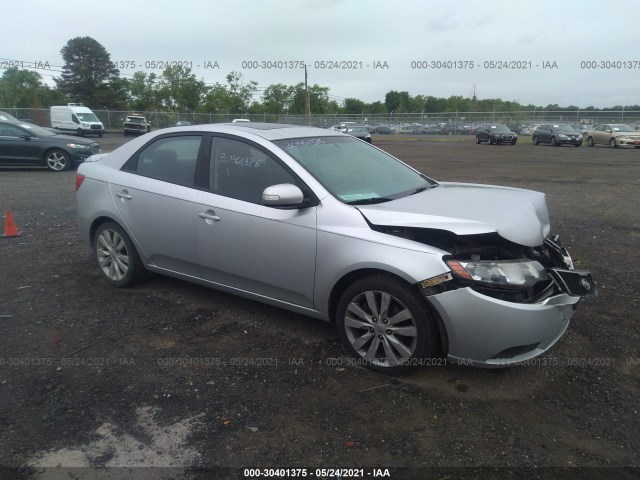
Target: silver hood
[{"x": 520, "y": 216}]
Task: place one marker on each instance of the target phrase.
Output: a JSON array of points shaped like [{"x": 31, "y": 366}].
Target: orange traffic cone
[{"x": 10, "y": 229}]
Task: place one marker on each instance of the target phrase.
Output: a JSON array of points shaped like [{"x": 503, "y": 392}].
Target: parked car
[
  {"x": 495, "y": 133},
  {"x": 25, "y": 144},
  {"x": 136, "y": 123},
  {"x": 407, "y": 129},
  {"x": 556, "y": 134},
  {"x": 614, "y": 135},
  {"x": 383, "y": 129},
  {"x": 323, "y": 224},
  {"x": 359, "y": 131},
  {"x": 183, "y": 123}
]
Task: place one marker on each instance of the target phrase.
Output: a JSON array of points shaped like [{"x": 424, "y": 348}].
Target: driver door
[{"x": 248, "y": 246}]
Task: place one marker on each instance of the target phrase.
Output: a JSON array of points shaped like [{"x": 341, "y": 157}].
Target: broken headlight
[{"x": 499, "y": 273}]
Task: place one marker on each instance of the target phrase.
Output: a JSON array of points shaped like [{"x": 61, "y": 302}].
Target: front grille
[
  {"x": 96, "y": 127},
  {"x": 574, "y": 282}
]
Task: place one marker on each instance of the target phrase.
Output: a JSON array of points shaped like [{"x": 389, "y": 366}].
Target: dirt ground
[{"x": 189, "y": 380}]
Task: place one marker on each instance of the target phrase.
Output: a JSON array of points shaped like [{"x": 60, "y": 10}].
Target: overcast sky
[{"x": 401, "y": 37}]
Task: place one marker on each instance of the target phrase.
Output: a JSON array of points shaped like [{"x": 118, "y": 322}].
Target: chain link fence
[{"x": 461, "y": 121}]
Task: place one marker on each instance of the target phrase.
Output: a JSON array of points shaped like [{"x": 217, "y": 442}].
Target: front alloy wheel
[
  {"x": 386, "y": 324},
  {"x": 57, "y": 160},
  {"x": 117, "y": 258}
]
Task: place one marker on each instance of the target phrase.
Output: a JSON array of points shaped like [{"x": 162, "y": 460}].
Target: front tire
[
  {"x": 57, "y": 160},
  {"x": 536, "y": 141},
  {"x": 386, "y": 324},
  {"x": 478, "y": 141},
  {"x": 590, "y": 142},
  {"x": 554, "y": 143},
  {"x": 117, "y": 258},
  {"x": 612, "y": 143}
]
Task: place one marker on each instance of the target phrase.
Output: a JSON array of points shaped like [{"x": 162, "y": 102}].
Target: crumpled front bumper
[{"x": 488, "y": 332}]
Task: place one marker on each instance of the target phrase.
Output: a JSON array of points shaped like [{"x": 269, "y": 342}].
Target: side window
[
  {"x": 74, "y": 118},
  {"x": 172, "y": 159},
  {"x": 238, "y": 170},
  {"x": 10, "y": 131}
]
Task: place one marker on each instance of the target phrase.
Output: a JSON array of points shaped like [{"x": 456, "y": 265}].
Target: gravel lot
[{"x": 174, "y": 375}]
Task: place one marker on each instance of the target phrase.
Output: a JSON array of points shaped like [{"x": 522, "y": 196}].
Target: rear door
[{"x": 155, "y": 196}]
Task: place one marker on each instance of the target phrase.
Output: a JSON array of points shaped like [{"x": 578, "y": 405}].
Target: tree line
[{"x": 88, "y": 76}]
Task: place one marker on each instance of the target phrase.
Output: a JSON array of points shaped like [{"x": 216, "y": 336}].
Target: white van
[{"x": 76, "y": 118}]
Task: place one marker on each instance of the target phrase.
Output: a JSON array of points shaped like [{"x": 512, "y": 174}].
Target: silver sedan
[{"x": 326, "y": 225}]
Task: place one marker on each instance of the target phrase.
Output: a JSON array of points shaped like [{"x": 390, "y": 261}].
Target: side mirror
[{"x": 282, "y": 195}]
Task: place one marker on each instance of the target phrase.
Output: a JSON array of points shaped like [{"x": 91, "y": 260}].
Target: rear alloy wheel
[
  {"x": 612, "y": 143},
  {"x": 57, "y": 160},
  {"x": 117, "y": 257},
  {"x": 386, "y": 324},
  {"x": 590, "y": 142}
]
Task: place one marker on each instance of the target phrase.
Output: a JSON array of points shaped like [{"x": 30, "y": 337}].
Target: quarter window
[{"x": 241, "y": 171}]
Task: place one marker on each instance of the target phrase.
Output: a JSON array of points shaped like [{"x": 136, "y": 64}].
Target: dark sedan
[
  {"x": 495, "y": 133},
  {"x": 360, "y": 132},
  {"x": 24, "y": 144},
  {"x": 557, "y": 134}
]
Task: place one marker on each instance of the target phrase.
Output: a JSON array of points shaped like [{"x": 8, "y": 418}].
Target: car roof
[{"x": 268, "y": 131}]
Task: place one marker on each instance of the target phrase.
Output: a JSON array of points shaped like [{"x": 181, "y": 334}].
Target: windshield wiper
[{"x": 370, "y": 201}]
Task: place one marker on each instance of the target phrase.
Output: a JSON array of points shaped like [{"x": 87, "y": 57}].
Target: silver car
[{"x": 326, "y": 225}]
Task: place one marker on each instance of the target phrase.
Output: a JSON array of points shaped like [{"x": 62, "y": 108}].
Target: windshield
[
  {"x": 564, "y": 128},
  {"x": 354, "y": 171},
  {"x": 500, "y": 128},
  {"x": 87, "y": 117},
  {"x": 623, "y": 128}
]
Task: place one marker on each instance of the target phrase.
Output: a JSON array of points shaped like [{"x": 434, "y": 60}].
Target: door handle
[
  {"x": 124, "y": 195},
  {"x": 209, "y": 215}
]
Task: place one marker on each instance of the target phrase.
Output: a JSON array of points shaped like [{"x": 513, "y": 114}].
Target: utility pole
[{"x": 307, "y": 98}]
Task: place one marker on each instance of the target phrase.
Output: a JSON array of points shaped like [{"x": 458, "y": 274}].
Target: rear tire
[
  {"x": 117, "y": 258},
  {"x": 386, "y": 324}
]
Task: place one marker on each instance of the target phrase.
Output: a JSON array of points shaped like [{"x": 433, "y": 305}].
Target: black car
[
  {"x": 24, "y": 144},
  {"x": 495, "y": 133},
  {"x": 557, "y": 134},
  {"x": 360, "y": 132}
]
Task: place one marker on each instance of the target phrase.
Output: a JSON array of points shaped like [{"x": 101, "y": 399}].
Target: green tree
[
  {"x": 277, "y": 98},
  {"x": 180, "y": 90},
  {"x": 25, "y": 89},
  {"x": 354, "y": 106},
  {"x": 143, "y": 92},
  {"x": 88, "y": 73},
  {"x": 397, "y": 102},
  {"x": 240, "y": 93}
]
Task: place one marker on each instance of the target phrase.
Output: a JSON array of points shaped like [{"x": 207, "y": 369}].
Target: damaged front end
[
  {"x": 502, "y": 269},
  {"x": 527, "y": 294}
]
